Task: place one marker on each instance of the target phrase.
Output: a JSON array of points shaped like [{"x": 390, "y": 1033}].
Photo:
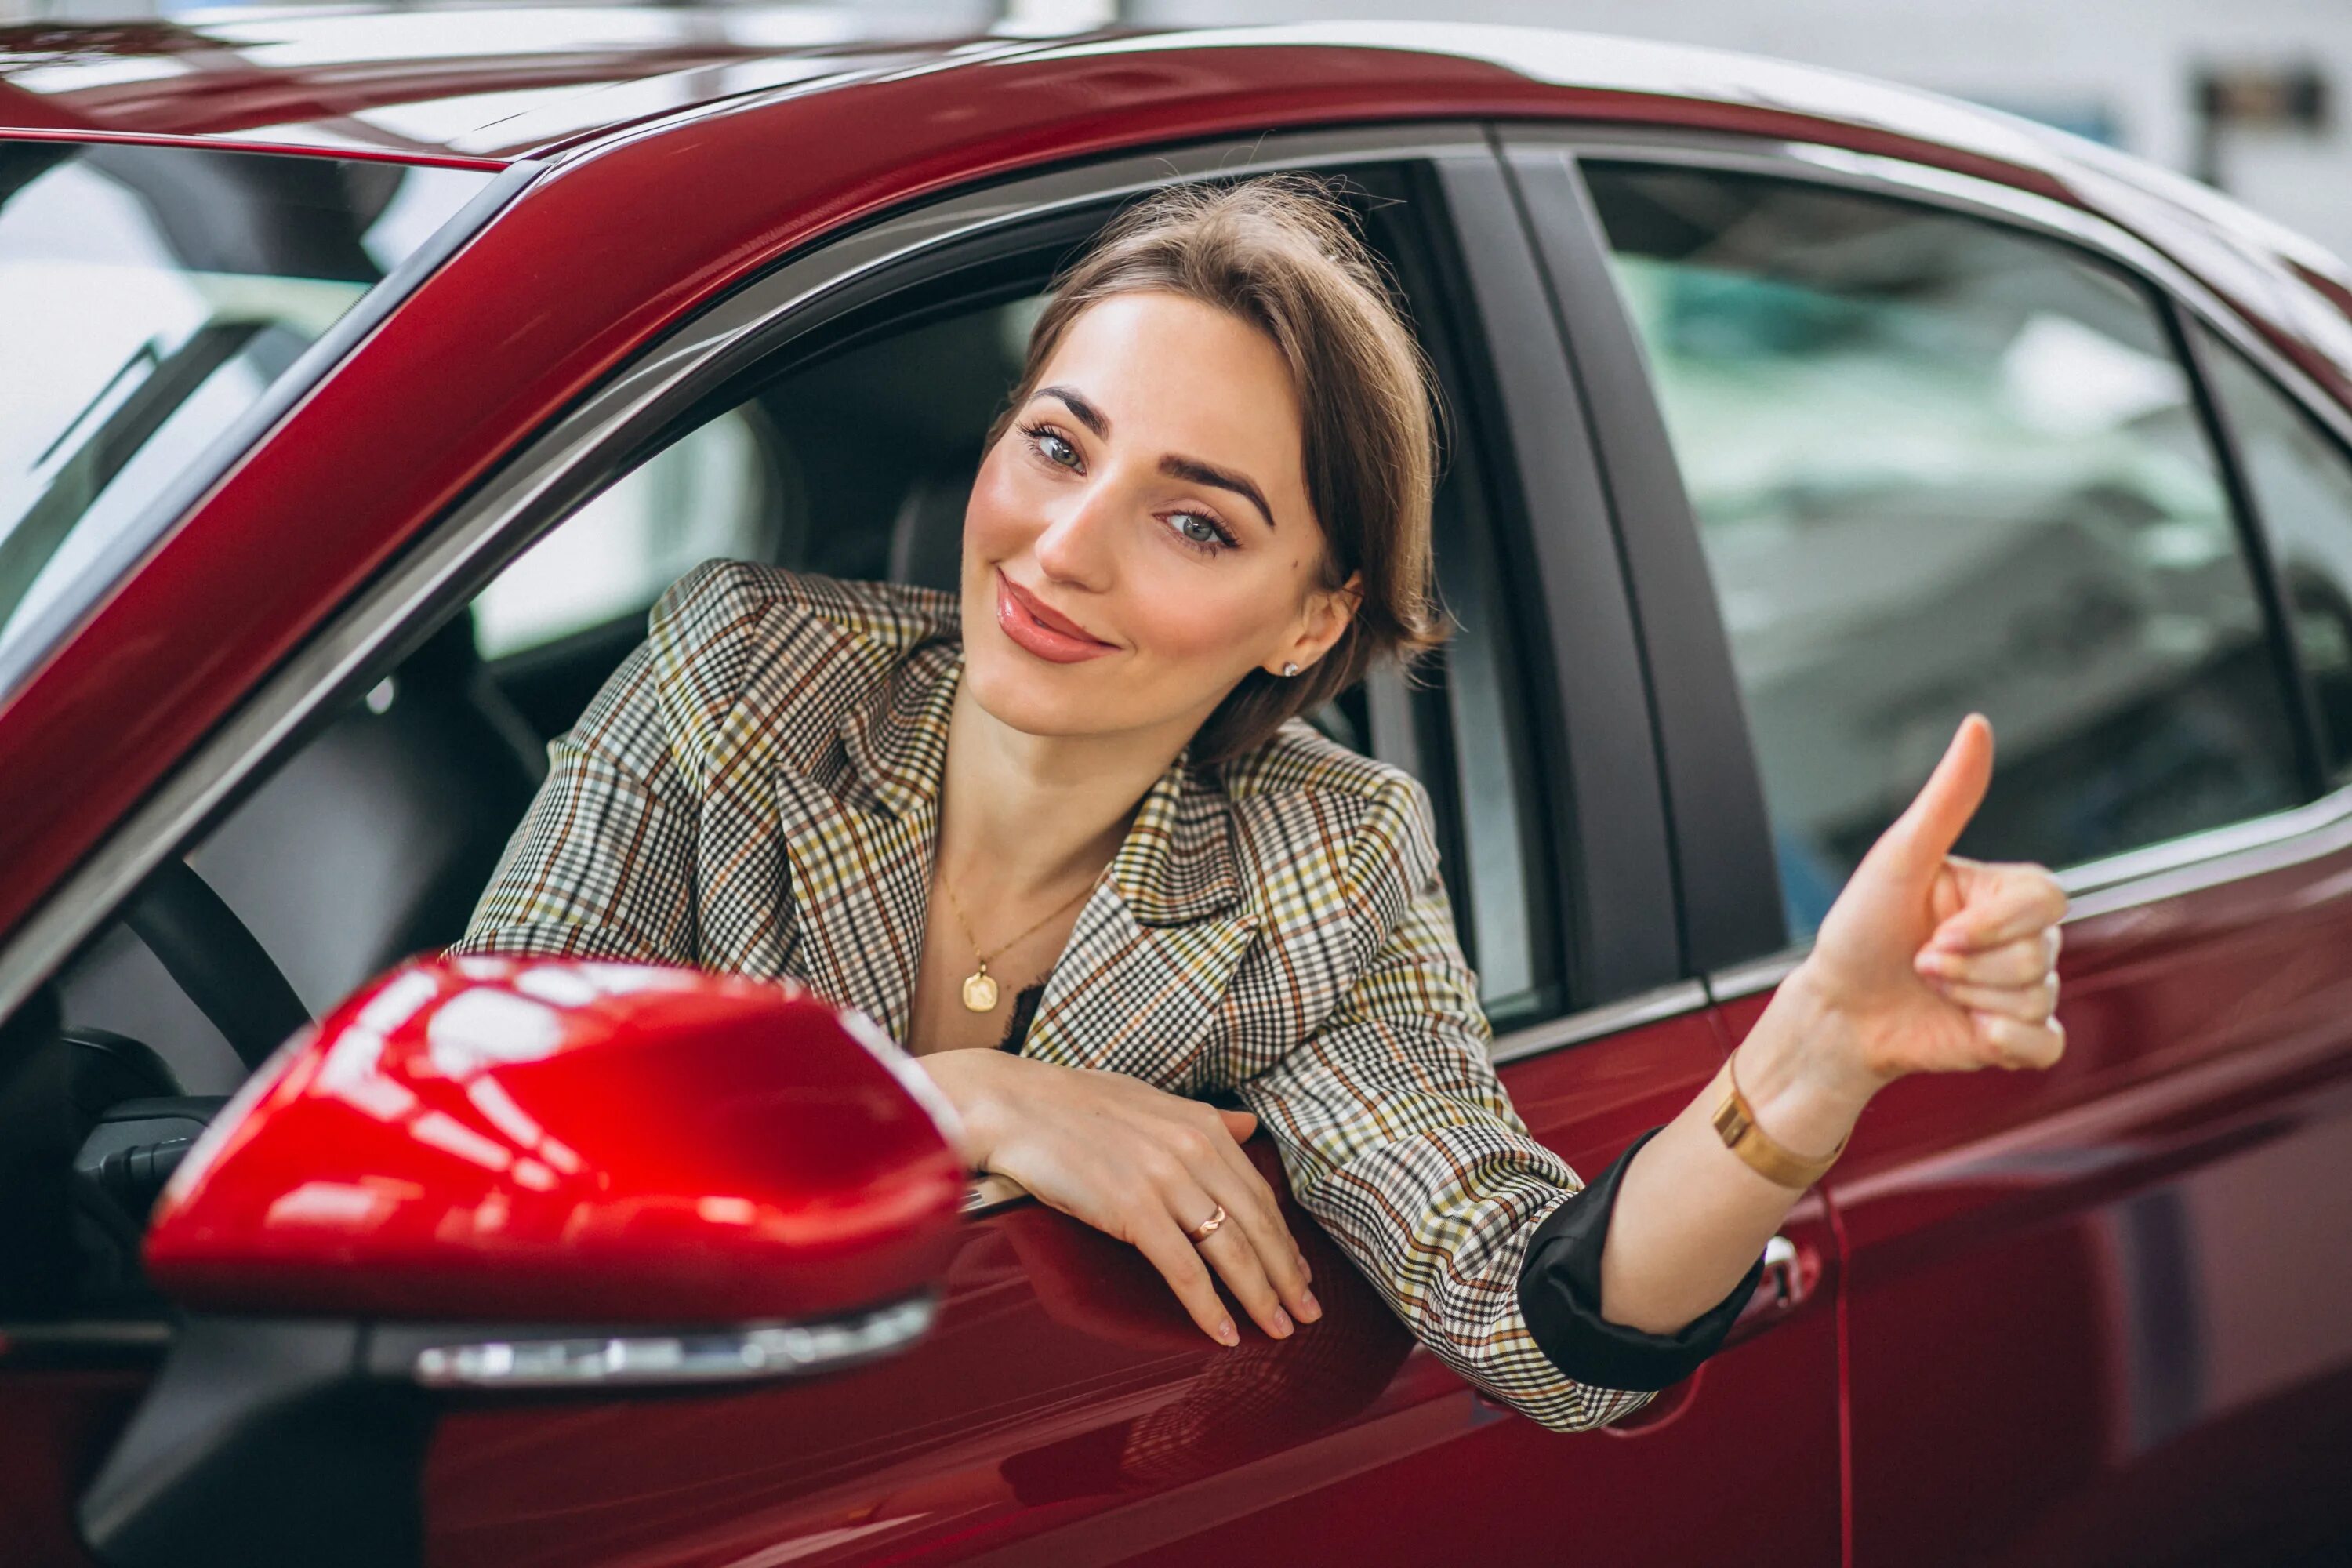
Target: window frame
[
  {"x": 548, "y": 474},
  {"x": 1736, "y": 940}
]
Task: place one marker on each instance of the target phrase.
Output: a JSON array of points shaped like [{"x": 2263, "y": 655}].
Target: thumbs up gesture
[{"x": 1933, "y": 963}]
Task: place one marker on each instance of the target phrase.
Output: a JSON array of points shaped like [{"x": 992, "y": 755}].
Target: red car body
[{"x": 1982, "y": 1355}]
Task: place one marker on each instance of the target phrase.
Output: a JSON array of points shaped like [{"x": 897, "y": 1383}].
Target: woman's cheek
[
  {"x": 991, "y": 519},
  {"x": 1190, "y": 624}
]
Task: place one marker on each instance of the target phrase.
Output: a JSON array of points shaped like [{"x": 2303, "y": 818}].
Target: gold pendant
[{"x": 979, "y": 991}]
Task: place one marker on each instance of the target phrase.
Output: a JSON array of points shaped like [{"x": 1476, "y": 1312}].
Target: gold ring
[{"x": 1200, "y": 1232}]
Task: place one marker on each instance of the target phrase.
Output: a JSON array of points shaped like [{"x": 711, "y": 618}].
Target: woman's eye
[
  {"x": 1196, "y": 530},
  {"x": 1055, "y": 448}
]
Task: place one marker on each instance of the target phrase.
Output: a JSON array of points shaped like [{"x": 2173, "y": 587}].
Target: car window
[
  {"x": 149, "y": 297},
  {"x": 720, "y": 489},
  {"x": 1938, "y": 465},
  {"x": 857, "y": 464},
  {"x": 1499, "y": 867},
  {"x": 374, "y": 839},
  {"x": 2300, "y": 482}
]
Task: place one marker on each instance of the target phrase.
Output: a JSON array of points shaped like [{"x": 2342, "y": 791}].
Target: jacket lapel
[
  {"x": 860, "y": 851},
  {"x": 1136, "y": 986},
  {"x": 1139, "y": 983}
]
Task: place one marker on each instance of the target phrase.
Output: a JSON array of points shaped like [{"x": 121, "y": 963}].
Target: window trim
[
  {"x": 2143, "y": 875},
  {"x": 1616, "y": 917},
  {"x": 2310, "y": 745},
  {"x": 538, "y": 483},
  {"x": 1718, "y": 830},
  {"x": 2191, "y": 333}
]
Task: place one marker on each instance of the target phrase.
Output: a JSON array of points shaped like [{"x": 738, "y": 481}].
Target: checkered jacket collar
[
  {"x": 861, "y": 845},
  {"x": 1176, "y": 865}
]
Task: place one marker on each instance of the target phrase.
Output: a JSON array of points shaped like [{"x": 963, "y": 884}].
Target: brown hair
[{"x": 1282, "y": 253}]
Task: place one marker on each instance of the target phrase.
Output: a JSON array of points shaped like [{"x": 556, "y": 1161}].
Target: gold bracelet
[{"x": 1734, "y": 1123}]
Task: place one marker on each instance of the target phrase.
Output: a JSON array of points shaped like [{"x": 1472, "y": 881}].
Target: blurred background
[{"x": 2242, "y": 95}]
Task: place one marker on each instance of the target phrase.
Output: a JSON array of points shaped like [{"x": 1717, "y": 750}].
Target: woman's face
[{"x": 1141, "y": 537}]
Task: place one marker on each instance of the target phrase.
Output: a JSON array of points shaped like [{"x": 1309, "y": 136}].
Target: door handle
[
  {"x": 1790, "y": 1274},
  {"x": 1786, "y": 1282}
]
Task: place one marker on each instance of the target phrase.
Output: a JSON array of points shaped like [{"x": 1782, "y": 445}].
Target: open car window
[{"x": 852, "y": 458}]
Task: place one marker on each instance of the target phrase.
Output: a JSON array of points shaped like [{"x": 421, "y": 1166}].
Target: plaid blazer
[{"x": 756, "y": 790}]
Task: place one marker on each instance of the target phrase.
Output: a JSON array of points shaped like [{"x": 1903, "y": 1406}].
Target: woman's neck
[{"x": 1024, "y": 817}]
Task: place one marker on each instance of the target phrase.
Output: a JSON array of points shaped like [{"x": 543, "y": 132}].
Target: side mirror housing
[
  {"x": 496, "y": 1139},
  {"x": 529, "y": 1174}
]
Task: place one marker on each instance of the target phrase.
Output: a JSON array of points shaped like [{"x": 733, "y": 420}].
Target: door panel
[
  {"x": 2104, "y": 1314},
  {"x": 1066, "y": 1411}
]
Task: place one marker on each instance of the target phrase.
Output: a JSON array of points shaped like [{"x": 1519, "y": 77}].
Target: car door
[
  {"x": 1063, "y": 1409},
  {"x": 1920, "y": 446}
]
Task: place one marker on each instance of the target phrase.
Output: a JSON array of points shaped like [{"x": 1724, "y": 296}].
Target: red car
[{"x": 365, "y": 376}]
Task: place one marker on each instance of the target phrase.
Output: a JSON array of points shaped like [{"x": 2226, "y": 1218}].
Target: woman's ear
[{"x": 1322, "y": 623}]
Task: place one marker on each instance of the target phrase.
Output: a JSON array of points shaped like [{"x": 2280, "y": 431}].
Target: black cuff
[{"x": 1560, "y": 1292}]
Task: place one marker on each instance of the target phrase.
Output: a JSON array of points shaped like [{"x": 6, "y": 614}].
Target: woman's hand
[
  {"x": 1931, "y": 963},
  {"x": 1138, "y": 1164}
]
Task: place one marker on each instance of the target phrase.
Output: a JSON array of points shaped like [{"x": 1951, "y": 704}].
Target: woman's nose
[{"x": 1075, "y": 545}]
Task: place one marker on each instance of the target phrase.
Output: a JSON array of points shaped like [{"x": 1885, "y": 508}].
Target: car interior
[{"x": 371, "y": 842}]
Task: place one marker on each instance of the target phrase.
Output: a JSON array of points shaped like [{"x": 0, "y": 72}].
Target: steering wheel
[{"x": 213, "y": 956}]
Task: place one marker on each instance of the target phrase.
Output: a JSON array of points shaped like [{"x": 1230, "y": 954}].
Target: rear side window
[
  {"x": 150, "y": 299},
  {"x": 2301, "y": 486},
  {"x": 1939, "y": 464}
]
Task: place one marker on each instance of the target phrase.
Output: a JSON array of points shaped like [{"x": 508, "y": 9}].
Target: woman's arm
[
  {"x": 1926, "y": 962},
  {"x": 1140, "y": 1164},
  {"x": 1396, "y": 1134},
  {"x": 601, "y": 865}
]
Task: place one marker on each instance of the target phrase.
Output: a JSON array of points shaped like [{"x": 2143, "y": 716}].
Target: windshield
[{"x": 156, "y": 304}]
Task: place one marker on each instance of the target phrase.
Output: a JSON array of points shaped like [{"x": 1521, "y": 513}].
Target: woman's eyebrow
[
  {"x": 1202, "y": 473},
  {"x": 1087, "y": 415},
  {"x": 1176, "y": 468}
]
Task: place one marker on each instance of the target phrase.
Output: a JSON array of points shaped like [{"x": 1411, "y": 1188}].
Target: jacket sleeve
[
  {"x": 603, "y": 865},
  {"x": 1397, "y": 1137}
]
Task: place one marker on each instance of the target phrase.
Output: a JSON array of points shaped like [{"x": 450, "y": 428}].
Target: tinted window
[
  {"x": 1941, "y": 466},
  {"x": 2302, "y": 488},
  {"x": 150, "y": 296}
]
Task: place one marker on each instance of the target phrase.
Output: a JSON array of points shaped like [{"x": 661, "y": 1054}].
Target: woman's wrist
[
  {"x": 1799, "y": 1070},
  {"x": 971, "y": 1079}
]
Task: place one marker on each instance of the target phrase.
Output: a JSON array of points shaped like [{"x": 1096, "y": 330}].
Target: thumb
[
  {"x": 1240, "y": 1123},
  {"x": 1931, "y": 824}
]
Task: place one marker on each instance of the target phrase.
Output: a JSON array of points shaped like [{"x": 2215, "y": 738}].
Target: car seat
[{"x": 371, "y": 843}]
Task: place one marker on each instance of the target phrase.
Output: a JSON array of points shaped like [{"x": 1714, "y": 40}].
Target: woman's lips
[{"x": 1037, "y": 629}]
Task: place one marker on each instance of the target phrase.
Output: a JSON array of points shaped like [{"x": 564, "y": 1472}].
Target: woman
[{"x": 1069, "y": 811}]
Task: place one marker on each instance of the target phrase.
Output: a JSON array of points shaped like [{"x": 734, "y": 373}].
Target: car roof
[
  {"x": 502, "y": 83},
  {"x": 472, "y": 81}
]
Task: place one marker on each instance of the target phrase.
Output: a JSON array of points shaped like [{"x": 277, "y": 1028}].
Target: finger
[
  {"x": 2020, "y": 963},
  {"x": 1251, "y": 1202},
  {"x": 2026, "y": 1003},
  {"x": 1229, "y": 1250},
  {"x": 2015, "y": 901},
  {"x": 2017, "y": 1043},
  {"x": 1247, "y": 1169},
  {"x": 1240, "y": 1123},
  {"x": 1180, "y": 1264},
  {"x": 1920, "y": 838}
]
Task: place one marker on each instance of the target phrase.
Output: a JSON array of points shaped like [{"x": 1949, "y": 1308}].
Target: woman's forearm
[{"x": 1691, "y": 1217}]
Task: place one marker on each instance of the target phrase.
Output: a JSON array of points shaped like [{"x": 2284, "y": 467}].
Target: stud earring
[{"x": 1289, "y": 669}]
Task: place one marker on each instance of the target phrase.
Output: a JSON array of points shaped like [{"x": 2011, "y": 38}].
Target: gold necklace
[{"x": 980, "y": 990}]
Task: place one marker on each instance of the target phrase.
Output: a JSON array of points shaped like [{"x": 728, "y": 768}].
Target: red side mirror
[{"x": 559, "y": 1141}]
